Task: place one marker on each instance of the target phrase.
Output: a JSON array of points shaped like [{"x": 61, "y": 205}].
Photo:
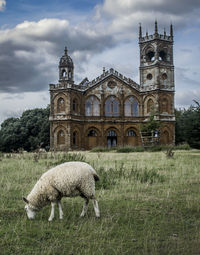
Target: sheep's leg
[
  {"x": 85, "y": 207},
  {"x": 52, "y": 211},
  {"x": 96, "y": 208},
  {"x": 60, "y": 210}
]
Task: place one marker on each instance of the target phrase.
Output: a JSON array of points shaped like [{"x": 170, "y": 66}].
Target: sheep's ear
[{"x": 25, "y": 200}]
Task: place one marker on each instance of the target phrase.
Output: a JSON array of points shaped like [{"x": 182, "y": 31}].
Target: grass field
[{"x": 149, "y": 204}]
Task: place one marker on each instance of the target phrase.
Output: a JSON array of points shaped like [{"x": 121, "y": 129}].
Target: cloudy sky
[{"x": 98, "y": 33}]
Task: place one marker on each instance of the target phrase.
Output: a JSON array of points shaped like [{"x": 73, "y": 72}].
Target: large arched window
[
  {"x": 112, "y": 106},
  {"x": 92, "y": 106},
  {"x": 131, "y": 107},
  {"x": 150, "y": 105},
  {"x": 60, "y": 105},
  {"x": 61, "y": 137}
]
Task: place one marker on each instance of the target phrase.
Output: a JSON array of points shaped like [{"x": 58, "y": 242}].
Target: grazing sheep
[{"x": 66, "y": 180}]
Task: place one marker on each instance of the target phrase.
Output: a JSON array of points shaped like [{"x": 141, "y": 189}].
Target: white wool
[{"x": 68, "y": 179}]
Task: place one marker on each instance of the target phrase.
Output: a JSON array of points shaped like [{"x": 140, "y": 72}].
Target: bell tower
[
  {"x": 157, "y": 79},
  {"x": 66, "y": 68},
  {"x": 156, "y": 59}
]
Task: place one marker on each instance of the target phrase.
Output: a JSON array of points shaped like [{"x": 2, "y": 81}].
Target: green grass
[{"x": 150, "y": 204}]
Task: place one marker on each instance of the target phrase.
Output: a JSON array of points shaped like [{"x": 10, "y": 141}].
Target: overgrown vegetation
[
  {"x": 188, "y": 126},
  {"x": 150, "y": 204},
  {"x": 28, "y": 132}
]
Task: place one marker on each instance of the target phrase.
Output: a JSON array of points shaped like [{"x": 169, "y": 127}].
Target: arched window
[
  {"x": 112, "y": 106},
  {"x": 131, "y": 107},
  {"x": 61, "y": 137},
  {"x": 92, "y": 106},
  {"x": 64, "y": 73},
  {"x": 75, "y": 105},
  {"x": 111, "y": 133},
  {"x": 75, "y": 138},
  {"x": 150, "y": 56},
  {"x": 60, "y": 105},
  {"x": 92, "y": 133},
  {"x": 150, "y": 106},
  {"x": 111, "y": 138},
  {"x": 131, "y": 133},
  {"x": 164, "y": 105}
]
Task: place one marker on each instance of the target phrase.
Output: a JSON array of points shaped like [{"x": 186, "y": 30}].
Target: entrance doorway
[{"x": 111, "y": 139}]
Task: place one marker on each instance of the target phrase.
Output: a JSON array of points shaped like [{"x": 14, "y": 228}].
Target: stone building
[{"x": 109, "y": 110}]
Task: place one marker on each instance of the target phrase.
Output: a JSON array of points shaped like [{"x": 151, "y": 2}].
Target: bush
[
  {"x": 130, "y": 149},
  {"x": 182, "y": 147},
  {"x": 107, "y": 178},
  {"x": 102, "y": 149}
]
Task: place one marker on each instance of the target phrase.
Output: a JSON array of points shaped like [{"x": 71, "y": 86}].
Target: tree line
[{"x": 31, "y": 130}]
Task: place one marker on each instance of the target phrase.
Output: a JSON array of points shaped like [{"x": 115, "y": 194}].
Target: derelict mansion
[{"x": 109, "y": 110}]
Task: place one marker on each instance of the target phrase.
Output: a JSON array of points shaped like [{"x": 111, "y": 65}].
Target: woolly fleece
[{"x": 66, "y": 180}]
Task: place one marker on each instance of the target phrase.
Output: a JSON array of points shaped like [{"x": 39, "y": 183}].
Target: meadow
[{"x": 149, "y": 204}]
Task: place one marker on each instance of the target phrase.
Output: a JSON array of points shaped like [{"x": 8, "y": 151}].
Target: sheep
[{"x": 69, "y": 179}]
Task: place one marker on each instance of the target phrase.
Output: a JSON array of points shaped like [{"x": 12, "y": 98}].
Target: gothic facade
[{"x": 109, "y": 110}]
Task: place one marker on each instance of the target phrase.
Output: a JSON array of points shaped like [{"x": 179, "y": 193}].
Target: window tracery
[
  {"x": 112, "y": 107},
  {"x": 131, "y": 107},
  {"x": 92, "y": 106}
]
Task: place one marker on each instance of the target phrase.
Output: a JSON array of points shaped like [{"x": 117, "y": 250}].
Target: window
[
  {"x": 92, "y": 133},
  {"x": 150, "y": 106},
  {"x": 112, "y": 107},
  {"x": 149, "y": 76},
  {"x": 111, "y": 133},
  {"x": 162, "y": 55},
  {"x": 61, "y": 137},
  {"x": 92, "y": 106},
  {"x": 131, "y": 133},
  {"x": 74, "y": 138},
  {"x": 75, "y": 105},
  {"x": 164, "y": 105},
  {"x": 131, "y": 107},
  {"x": 111, "y": 138},
  {"x": 150, "y": 56},
  {"x": 64, "y": 73},
  {"x": 60, "y": 105}
]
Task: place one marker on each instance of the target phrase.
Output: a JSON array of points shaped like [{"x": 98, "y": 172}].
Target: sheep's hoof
[{"x": 50, "y": 219}]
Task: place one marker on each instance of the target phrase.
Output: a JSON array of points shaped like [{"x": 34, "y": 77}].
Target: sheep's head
[{"x": 29, "y": 209}]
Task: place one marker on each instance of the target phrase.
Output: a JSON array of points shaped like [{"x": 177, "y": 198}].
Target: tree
[
  {"x": 29, "y": 131},
  {"x": 188, "y": 126}
]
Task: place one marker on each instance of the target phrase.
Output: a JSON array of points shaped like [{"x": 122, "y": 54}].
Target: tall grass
[{"x": 149, "y": 204}]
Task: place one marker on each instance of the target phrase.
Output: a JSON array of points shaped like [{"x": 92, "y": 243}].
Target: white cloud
[
  {"x": 29, "y": 53},
  {"x": 124, "y": 16},
  {"x": 2, "y": 5}
]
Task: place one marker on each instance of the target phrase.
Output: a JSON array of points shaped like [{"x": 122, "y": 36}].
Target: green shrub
[
  {"x": 107, "y": 178},
  {"x": 182, "y": 147},
  {"x": 130, "y": 149},
  {"x": 102, "y": 149}
]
